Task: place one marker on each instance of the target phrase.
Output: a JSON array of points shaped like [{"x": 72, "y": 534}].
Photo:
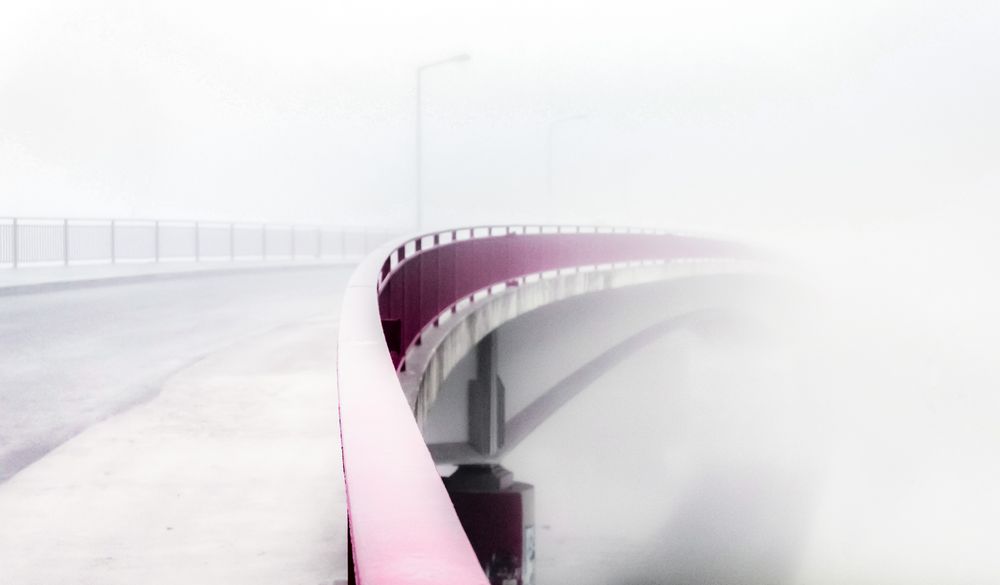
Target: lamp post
[
  {"x": 419, "y": 127},
  {"x": 549, "y": 142}
]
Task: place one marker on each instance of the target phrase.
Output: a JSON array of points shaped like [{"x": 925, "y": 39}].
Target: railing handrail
[
  {"x": 35, "y": 240},
  {"x": 404, "y": 529},
  {"x": 524, "y": 227},
  {"x": 285, "y": 224},
  {"x": 424, "y": 544}
]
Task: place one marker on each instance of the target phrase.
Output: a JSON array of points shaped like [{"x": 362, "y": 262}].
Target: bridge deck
[{"x": 230, "y": 475}]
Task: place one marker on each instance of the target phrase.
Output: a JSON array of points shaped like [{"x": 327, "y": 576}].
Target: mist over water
[{"x": 839, "y": 429}]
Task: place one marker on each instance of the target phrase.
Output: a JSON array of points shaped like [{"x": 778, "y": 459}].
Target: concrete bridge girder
[{"x": 650, "y": 294}]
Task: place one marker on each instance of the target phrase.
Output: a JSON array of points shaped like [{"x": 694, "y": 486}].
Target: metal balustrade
[
  {"x": 403, "y": 527},
  {"x": 46, "y": 241}
]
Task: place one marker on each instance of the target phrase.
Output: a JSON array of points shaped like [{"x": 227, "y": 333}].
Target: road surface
[
  {"x": 174, "y": 432},
  {"x": 71, "y": 358}
]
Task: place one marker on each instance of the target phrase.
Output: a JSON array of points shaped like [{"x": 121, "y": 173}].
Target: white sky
[{"x": 722, "y": 115}]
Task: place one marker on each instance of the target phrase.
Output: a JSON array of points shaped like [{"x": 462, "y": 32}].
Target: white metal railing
[{"x": 49, "y": 241}]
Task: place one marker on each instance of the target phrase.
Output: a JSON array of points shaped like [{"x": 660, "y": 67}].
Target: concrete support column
[{"x": 487, "y": 415}]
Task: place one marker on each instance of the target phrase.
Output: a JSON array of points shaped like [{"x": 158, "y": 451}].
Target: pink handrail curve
[{"x": 404, "y": 530}]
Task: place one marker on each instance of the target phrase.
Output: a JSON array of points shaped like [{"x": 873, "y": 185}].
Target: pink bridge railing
[{"x": 403, "y": 527}]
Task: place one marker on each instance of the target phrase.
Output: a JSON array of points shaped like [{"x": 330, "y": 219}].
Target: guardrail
[
  {"x": 46, "y": 241},
  {"x": 403, "y": 527}
]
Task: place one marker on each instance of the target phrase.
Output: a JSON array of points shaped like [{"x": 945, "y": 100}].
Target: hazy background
[{"x": 723, "y": 115}]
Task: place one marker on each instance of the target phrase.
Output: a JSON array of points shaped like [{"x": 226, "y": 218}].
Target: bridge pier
[
  {"x": 496, "y": 512},
  {"x": 498, "y": 516},
  {"x": 487, "y": 416}
]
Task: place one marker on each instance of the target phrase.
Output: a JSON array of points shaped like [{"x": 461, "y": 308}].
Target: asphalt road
[{"x": 71, "y": 358}]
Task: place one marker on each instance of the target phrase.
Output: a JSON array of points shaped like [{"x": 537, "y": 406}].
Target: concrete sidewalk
[
  {"x": 42, "y": 278},
  {"x": 231, "y": 474}
]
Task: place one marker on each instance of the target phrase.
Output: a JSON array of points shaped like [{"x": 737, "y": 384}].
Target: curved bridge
[{"x": 412, "y": 310}]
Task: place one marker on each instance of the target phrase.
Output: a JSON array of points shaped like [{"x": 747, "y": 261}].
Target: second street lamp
[
  {"x": 549, "y": 146},
  {"x": 419, "y": 134}
]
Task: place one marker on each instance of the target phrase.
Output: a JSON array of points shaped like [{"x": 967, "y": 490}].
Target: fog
[
  {"x": 859, "y": 140},
  {"x": 817, "y": 435},
  {"x": 721, "y": 115}
]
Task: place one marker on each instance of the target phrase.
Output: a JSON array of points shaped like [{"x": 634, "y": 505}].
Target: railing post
[
  {"x": 114, "y": 257},
  {"x": 13, "y": 241},
  {"x": 232, "y": 242},
  {"x": 65, "y": 242},
  {"x": 156, "y": 240},
  {"x": 293, "y": 242},
  {"x": 263, "y": 241},
  {"x": 319, "y": 243},
  {"x": 351, "y": 577},
  {"x": 197, "y": 241}
]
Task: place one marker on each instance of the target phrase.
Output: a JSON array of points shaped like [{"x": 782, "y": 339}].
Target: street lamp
[
  {"x": 549, "y": 141},
  {"x": 420, "y": 141}
]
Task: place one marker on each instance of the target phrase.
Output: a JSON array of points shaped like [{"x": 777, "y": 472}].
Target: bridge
[
  {"x": 454, "y": 347},
  {"x": 415, "y": 310}
]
